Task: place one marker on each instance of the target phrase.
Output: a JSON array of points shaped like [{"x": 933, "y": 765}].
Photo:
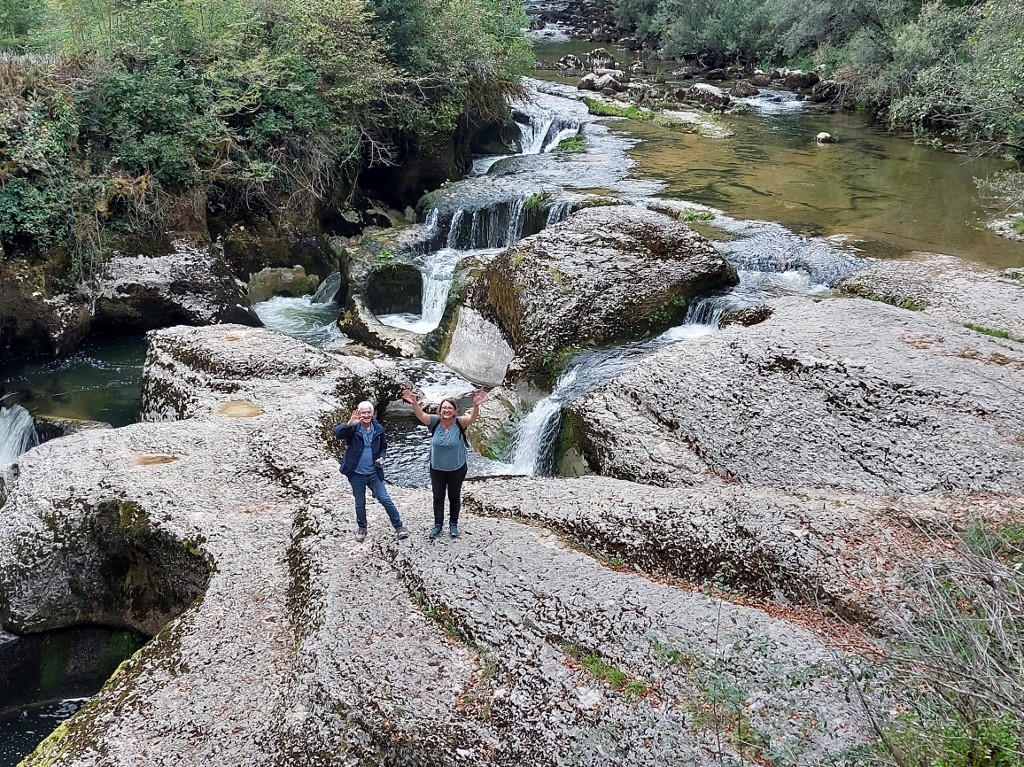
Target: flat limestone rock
[
  {"x": 945, "y": 287},
  {"x": 835, "y": 393},
  {"x": 842, "y": 553},
  {"x": 279, "y": 640}
]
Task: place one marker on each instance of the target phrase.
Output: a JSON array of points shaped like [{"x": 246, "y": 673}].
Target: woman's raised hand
[
  {"x": 408, "y": 396},
  {"x": 479, "y": 397}
]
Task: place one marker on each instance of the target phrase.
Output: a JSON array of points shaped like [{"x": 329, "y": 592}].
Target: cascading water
[
  {"x": 536, "y": 432},
  {"x": 310, "y": 318},
  {"x": 17, "y": 433}
]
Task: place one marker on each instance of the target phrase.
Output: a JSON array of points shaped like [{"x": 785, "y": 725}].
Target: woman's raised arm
[{"x": 408, "y": 396}]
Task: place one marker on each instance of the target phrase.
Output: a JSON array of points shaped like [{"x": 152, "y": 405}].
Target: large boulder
[
  {"x": 838, "y": 393},
  {"x": 604, "y": 274},
  {"x": 849, "y": 554},
  {"x": 35, "y": 321},
  {"x": 279, "y": 640},
  {"x": 188, "y": 286},
  {"x": 278, "y": 281}
]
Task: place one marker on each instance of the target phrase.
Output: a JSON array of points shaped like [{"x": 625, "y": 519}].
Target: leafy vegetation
[
  {"x": 994, "y": 332},
  {"x": 949, "y": 68},
  {"x": 959, "y": 669},
  {"x": 128, "y": 118}
]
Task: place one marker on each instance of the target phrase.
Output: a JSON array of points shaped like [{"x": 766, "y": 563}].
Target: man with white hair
[{"x": 365, "y": 452}]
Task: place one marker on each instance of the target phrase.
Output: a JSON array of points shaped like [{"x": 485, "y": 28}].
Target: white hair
[{"x": 365, "y": 403}]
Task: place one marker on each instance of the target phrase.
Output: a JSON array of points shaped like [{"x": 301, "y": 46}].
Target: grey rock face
[
  {"x": 189, "y": 286},
  {"x": 837, "y": 393},
  {"x": 291, "y": 281},
  {"x": 945, "y": 287},
  {"x": 279, "y": 640},
  {"x": 605, "y": 274},
  {"x": 839, "y": 552}
]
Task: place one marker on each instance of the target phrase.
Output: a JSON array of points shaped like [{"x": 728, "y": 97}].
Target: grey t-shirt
[{"x": 447, "y": 448}]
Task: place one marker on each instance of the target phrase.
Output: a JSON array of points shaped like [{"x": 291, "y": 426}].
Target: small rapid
[
  {"x": 17, "y": 433},
  {"x": 312, "y": 319}
]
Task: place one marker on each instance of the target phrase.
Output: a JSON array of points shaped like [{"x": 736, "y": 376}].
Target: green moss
[
  {"x": 698, "y": 215},
  {"x": 56, "y": 650},
  {"x": 537, "y": 202},
  {"x": 994, "y": 332},
  {"x": 132, "y": 518},
  {"x": 603, "y": 109},
  {"x": 572, "y": 145}
]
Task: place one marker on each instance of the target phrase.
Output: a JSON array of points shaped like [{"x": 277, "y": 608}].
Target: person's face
[
  {"x": 447, "y": 410},
  {"x": 365, "y": 415}
]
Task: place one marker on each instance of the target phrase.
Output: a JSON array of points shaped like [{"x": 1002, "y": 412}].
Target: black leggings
[{"x": 450, "y": 481}]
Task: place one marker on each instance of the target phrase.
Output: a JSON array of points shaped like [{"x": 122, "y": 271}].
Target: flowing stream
[{"x": 792, "y": 216}]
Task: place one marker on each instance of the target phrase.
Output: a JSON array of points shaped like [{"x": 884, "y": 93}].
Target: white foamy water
[{"x": 17, "y": 433}]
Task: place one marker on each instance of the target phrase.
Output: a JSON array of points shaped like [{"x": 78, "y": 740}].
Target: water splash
[
  {"x": 17, "y": 433},
  {"x": 328, "y": 289}
]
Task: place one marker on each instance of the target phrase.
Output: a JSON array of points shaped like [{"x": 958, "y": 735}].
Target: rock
[
  {"x": 608, "y": 85},
  {"x": 693, "y": 122},
  {"x": 839, "y": 551},
  {"x": 227, "y": 537},
  {"x": 570, "y": 61},
  {"x": 51, "y": 427},
  {"x": 828, "y": 90},
  {"x": 287, "y": 281},
  {"x": 717, "y": 74},
  {"x": 600, "y": 58},
  {"x": 33, "y": 321},
  {"x": 795, "y": 79},
  {"x": 189, "y": 286},
  {"x": 362, "y": 325},
  {"x": 743, "y": 89},
  {"x": 604, "y": 274},
  {"x": 709, "y": 96},
  {"x": 477, "y": 349},
  {"x": 751, "y": 315},
  {"x": 588, "y": 82},
  {"x": 617, "y": 74},
  {"x": 824, "y": 138},
  {"x": 946, "y": 287},
  {"x": 882, "y": 406}
]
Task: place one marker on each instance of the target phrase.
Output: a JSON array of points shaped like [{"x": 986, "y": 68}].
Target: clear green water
[
  {"x": 100, "y": 382},
  {"x": 872, "y": 186}
]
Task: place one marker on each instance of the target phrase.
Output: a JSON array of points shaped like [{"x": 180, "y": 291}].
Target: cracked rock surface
[{"x": 835, "y": 393}]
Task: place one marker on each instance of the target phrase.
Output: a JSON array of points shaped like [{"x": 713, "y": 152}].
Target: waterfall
[
  {"x": 537, "y": 431},
  {"x": 453, "y": 229},
  {"x": 17, "y": 433},
  {"x": 543, "y": 129},
  {"x": 559, "y": 211},
  {"x": 437, "y": 281},
  {"x": 328, "y": 289}
]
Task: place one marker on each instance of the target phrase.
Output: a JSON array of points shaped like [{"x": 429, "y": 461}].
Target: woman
[{"x": 447, "y": 456}]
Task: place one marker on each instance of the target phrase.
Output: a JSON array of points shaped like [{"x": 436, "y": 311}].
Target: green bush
[{"x": 255, "y": 105}]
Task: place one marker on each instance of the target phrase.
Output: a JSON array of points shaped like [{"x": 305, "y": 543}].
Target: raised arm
[
  {"x": 342, "y": 430},
  {"x": 474, "y": 413},
  {"x": 417, "y": 411}
]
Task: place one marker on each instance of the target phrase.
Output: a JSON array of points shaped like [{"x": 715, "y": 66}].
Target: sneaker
[
  {"x": 453, "y": 531},
  {"x": 435, "y": 531},
  {"x": 401, "y": 532},
  {"x": 360, "y": 535}
]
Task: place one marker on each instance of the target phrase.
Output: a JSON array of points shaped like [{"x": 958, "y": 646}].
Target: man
[{"x": 365, "y": 452}]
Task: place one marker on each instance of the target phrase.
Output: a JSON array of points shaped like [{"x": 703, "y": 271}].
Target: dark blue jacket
[{"x": 354, "y": 446}]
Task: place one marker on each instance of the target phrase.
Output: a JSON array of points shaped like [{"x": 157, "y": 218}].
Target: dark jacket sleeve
[{"x": 343, "y": 431}]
